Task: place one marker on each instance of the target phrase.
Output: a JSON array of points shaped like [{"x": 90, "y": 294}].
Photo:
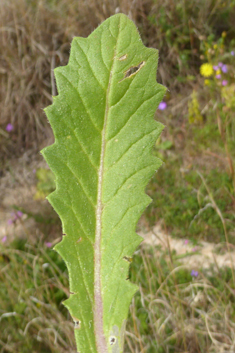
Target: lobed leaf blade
[{"x": 104, "y": 132}]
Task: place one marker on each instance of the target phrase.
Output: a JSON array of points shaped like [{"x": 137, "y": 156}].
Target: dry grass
[
  {"x": 35, "y": 37},
  {"x": 33, "y": 317},
  {"x": 175, "y": 312},
  {"x": 172, "y": 312}
]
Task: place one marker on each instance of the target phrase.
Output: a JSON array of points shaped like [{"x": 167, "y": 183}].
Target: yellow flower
[
  {"x": 206, "y": 70},
  {"x": 206, "y": 82},
  {"x": 218, "y": 72},
  {"x": 224, "y": 34},
  {"x": 215, "y": 46}
]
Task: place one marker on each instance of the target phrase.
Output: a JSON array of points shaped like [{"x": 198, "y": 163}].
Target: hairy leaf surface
[{"x": 104, "y": 132}]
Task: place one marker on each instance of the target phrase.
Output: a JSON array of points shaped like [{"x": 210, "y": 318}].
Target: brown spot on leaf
[
  {"x": 127, "y": 258},
  {"x": 123, "y": 57},
  {"x": 133, "y": 70},
  {"x": 112, "y": 340}
]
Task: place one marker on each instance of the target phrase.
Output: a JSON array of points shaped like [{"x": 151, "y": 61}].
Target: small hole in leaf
[
  {"x": 112, "y": 340},
  {"x": 133, "y": 70},
  {"x": 77, "y": 323}
]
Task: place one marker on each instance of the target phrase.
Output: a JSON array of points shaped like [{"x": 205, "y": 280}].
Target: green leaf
[{"x": 104, "y": 132}]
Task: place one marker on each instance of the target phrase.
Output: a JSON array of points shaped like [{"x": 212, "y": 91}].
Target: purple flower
[
  {"x": 186, "y": 241},
  {"x": 216, "y": 67},
  {"x": 4, "y": 239},
  {"x": 218, "y": 76},
  {"x": 9, "y": 127},
  {"x": 34, "y": 171},
  {"x": 194, "y": 249},
  {"x": 14, "y": 217},
  {"x": 232, "y": 53},
  {"x": 224, "y": 83},
  {"x": 48, "y": 244},
  {"x": 19, "y": 214},
  {"x": 194, "y": 273},
  {"x": 224, "y": 69},
  {"x": 220, "y": 64},
  {"x": 162, "y": 106}
]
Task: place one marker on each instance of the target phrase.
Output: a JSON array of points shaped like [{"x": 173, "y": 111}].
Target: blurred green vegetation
[{"x": 45, "y": 184}]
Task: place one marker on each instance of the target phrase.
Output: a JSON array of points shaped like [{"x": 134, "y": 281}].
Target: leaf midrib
[{"x": 98, "y": 303}]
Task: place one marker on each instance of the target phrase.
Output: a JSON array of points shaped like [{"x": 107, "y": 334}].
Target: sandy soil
[{"x": 201, "y": 256}]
